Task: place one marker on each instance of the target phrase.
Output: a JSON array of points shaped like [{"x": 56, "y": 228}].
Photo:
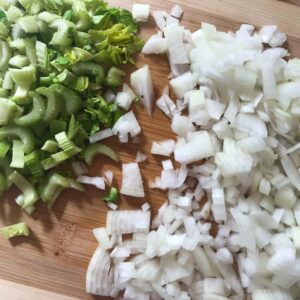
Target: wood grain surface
[{"x": 52, "y": 262}]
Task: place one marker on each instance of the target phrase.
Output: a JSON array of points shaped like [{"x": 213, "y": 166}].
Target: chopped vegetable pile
[
  {"x": 230, "y": 228},
  {"x": 59, "y": 72}
]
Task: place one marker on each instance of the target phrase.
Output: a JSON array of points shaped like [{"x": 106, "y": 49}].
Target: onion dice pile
[{"x": 236, "y": 118}]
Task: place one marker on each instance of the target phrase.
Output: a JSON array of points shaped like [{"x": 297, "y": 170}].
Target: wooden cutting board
[{"x": 52, "y": 262}]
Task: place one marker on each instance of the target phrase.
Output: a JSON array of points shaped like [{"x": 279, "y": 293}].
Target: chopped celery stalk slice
[
  {"x": 92, "y": 150},
  {"x": 19, "y": 61},
  {"x": 5, "y": 54},
  {"x": 29, "y": 24},
  {"x": 29, "y": 192},
  {"x": 54, "y": 185},
  {"x": 30, "y": 50},
  {"x": 17, "y": 155},
  {"x": 80, "y": 84},
  {"x": 112, "y": 195},
  {"x": 24, "y": 134},
  {"x": 13, "y": 13},
  {"x": 114, "y": 77},
  {"x": 66, "y": 77},
  {"x": 20, "y": 200},
  {"x": 15, "y": 230},
  {"x": 42, "y": 54},
  {"x": 71, "y": 99},
  {"x": 60, "y": 156},
  {"x": 88, "y": 69},
  {"x": 81, "y": 14},
  {"x": 49, "y": 163},
  {"x": 36, "y": 114},
  {"x": 54, "y": 103},
  {"x": 4, "y": 93},
  {"x": 4, "y": 147},
  {"x": 33, "y": 164},
  {"x": 50, "y": 146},
  {"x": 7, "y": 110},
  {"x": 66, "y": 144}
]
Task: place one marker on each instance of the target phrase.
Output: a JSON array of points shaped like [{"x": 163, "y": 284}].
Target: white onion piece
[
  {"x": 164, "y": 148},
  {"x": 200, "y": 146},
  {"x": 132, "y": 183},
  {"x": 97, "y": 181},
  {"x": 123, "y": 100},
  {"x": 155, "y": 45},
  {"x": 140, "y": 12},
  {"x": 141, "y": 82},
  {"x": 140, "y": 157},
  {"x": 101, "y": 135},
  {"x": 130, "y": 221},
  {"x": 159, "y": 19},
  {"x": 176, "y": 11},
  {"x": 127, "y": 124},
  {"x": 174, "y": 37}
]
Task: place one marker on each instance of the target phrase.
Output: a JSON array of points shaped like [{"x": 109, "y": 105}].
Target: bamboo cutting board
[{"x": 52, "y": 262}]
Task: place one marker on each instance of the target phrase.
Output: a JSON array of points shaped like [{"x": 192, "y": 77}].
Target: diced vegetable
[{"x": 15, "y": 230}]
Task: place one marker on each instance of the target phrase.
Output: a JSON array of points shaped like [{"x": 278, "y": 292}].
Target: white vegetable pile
[{"x": 237, "y": 124}]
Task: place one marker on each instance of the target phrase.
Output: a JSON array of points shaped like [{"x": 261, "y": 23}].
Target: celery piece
[
  {"x": 29, "y": 192},
  {"x": 54, "y": 103},
  {"x": 89, "y": 69},
  {"x": 81, "y": 14},
  {"x": 94, "y": 149},
  {"x": 82, "y": 39},
  {"x": 5, "y": 54},
  {"x": 49, "y": 163},
  {"x": 31, "y": 50},
  {"x": 112, "y": 195},
  {"x": 19, "y": 61},
  {"x": 72, "y": 99},
  {"x": 66, "y": 77},
  {"x": 4, "y": 93},
  {"x": 66, "y": 144},
  {"x": 60, "y": 157},
  {"x": 42, "y": 54},
  {"x": 36, "y": 114},
  {"x": 11, "y": 231},
  {"x": 50, "y": 146},
  {"x": 14, "y": 13},
  {"x": 33, "y": 164},
  {"x": 29, "y": 24},
  {"x": 114, "y": 77},
  {"x": 24, "y": 134},
  {"x": 4, "y": 147},
  {"x": 53, "y": 186},
  {"x": 20, "y": 201},
  {"x": 17, "y": 155},
  {"x": 80, "y": 84},
  {"x": 7, "y": 110}
]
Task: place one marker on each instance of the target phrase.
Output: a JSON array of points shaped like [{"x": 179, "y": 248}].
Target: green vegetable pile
[{"x": 57, "y": 60}]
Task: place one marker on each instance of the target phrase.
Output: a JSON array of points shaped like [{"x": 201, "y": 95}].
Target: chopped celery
[
  {"x": 54, "y": 103},
  {"x": 24, "y": 134},
  {"x": 7, "y": 110},
  {"x": 112, "y": 196},
  {"x": 4, "y": 147},
  {"x": 36, "y": 114},
  {"x": 17, "y": 155},
  {"x": 15, "y": 230},
  {"x": 66, "y": 144},
  {"x": 54, "y": 185},
  {"x": 29, "y": 192},
  {"x": 114, "y": 77},
  {"x": 50, "y": 146},
  {"x": 92, "y": 150},
  {"x": 57, "y": 57},
  {"x": 33, "y": 164}
]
